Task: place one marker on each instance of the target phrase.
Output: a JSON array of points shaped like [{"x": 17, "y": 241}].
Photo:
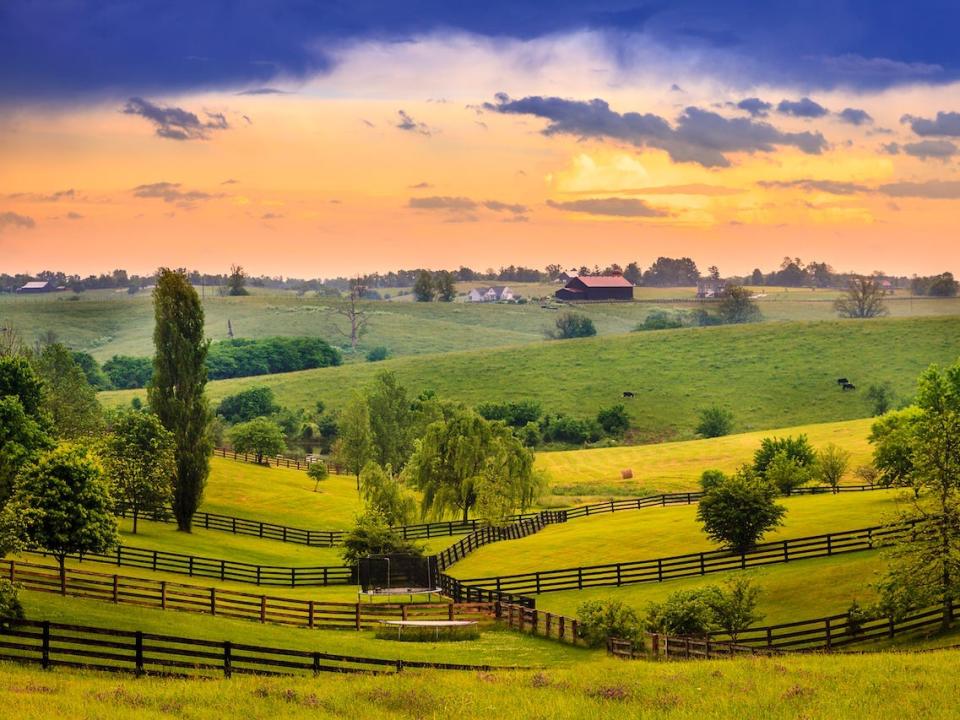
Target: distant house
[
  {"x": 565, "y": 277},
  {"x": 596, "y": 287},
  {"x": 710, "y": 287},
  {"x": 37, "y": 286},
  {"x": 490, "y": 294}
]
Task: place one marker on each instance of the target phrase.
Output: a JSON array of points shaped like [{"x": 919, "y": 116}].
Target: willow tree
[
  {"x": 176, "y": 390},
  {"x": 461, "y": 459}
]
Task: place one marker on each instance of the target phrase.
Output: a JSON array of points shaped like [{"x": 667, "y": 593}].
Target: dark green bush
[{"x": 603, "y": 619}]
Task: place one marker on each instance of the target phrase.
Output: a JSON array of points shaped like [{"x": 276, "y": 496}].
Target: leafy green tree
[
  {"x": 687, "y": 613},
  {"x": 786, "y": 474},
  {"x": 458, "y": 454},
  {"x": 734, "y": 606},
  {"x": 176, "y": 391},
  {"x": 796, "y": 448},
  {"x": 247, "y": 404},
  {"x": 924, "y": 566},
  {"x": 24, "y": 426},
  {"x": 445, "y": 288},
  {"x": 66, "y": 500},
  {"x": 373, "y": 536},
  {"x": 127, "y": 373},
  {"x": 661, "y": 320},
  {"x": 740, "y": 510},
  {"x": 882, "y": 397},
  {"x": 68, "y": 398},
  {"x": 893, "y": 437},
  {"x": 260, "y": 437},
  {"x": 237, "y": 281},
  {"x": 715, "y": 422},
  {"x": 600, "y": 620},
  {"x": 423, "y": 289},
  {"x": 863, "y": 299},
  {"x": 10, "y": 605},
  {"x": 91, "y": 369},
  {"x": 354, "y": 446},
  {"x": 709, "y": 479},
  {"x": 614, "y": 420},
  {"x": 377, "y": 354},
  {"x": 138, "y": 458},
  {"x": 385, "y": 496},
  {"x": 317, "y": 471},
  {"x": 737, "y": 306},
  {"x": 572, "y": 325},
  {"x": 391, "y": 421},
  {"x": 831, "y": 466}
]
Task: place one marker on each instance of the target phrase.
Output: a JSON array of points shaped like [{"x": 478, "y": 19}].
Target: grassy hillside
[
  {"x": 107, "y": 323},
  {"x": 677, "y": 466},
  {"x": 814, "y": 687},
  {"x": 660, "y": 532},
  {"x": 769, "y": 375},
  {"x": 791, "y": 592}
]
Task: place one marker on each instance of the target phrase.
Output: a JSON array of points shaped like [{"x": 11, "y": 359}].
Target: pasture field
[
  {"x": 769, "y": 375},
  {"x": 107, "y": 323},
  {"x": 789, "y": 592},
  {"x": 495, "y": 646},
  {"x": 677, "y": 466},
  {"x": 660, "y": 532},
  {"x": 866, "y": 687}
]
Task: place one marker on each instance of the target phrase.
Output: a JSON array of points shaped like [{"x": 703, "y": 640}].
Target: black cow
[
  {"x": 628, "y": 394},
  {"x": 842, "y": 381},
  {"x": 849, "y": 386}
]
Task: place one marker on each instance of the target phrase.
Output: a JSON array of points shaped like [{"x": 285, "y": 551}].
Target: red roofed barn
[{"x": 596, "y": 287}]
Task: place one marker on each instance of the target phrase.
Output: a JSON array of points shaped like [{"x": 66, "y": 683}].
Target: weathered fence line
[
  {"x": 195, "y": 566},
  {"x": 540, "y": 622},
  {"x": 165, "y": 595},
  {"x": 484, "y": 536},
  {"x": 421, "y": 531},
  {"x": 51, "y": 644},
  {"x": 677, "y": 566}
]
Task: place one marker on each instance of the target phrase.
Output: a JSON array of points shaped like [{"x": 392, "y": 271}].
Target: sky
[{"x": 315, "y": 139}]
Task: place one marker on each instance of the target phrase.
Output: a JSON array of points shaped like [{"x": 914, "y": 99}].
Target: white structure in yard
[{"x": 490, "y": 294}]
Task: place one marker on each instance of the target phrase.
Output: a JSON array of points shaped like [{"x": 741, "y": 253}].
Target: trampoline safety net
[{"x": 387, "y": 572}]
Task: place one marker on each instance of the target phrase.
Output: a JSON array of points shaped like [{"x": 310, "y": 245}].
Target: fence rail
[
  {"x": 194, "y": 566},
  {"x": 164, "y": 595},
  {"x": 679, "y": 566},
  {"x": 422, "y": 531},
  {"x": 53, "y": 644}
]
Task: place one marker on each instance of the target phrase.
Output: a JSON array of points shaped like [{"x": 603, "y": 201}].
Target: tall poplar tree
[{"x": 176, "y": 390}]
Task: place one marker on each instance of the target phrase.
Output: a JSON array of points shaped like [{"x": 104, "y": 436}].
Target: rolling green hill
[{"x": 769, "y": 375}]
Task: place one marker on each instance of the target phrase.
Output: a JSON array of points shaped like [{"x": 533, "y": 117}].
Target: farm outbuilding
[
  {"x": 37, "y": 286},
  {"x": 596, "y": 287}
]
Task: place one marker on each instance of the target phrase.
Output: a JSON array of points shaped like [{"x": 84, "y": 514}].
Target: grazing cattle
[
  {"x": 842, "y": 381},
  {"x": 628, "y": 394},
  {"x": 849, "y": 386}
]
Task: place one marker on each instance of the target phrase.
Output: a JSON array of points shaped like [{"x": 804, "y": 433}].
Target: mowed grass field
[
  {"x": 813, "y": 687},
  {"x": 768, "y": 375},
  {"x": 677, "y": 466},
  {"x": 661, "y": 532},
  {"x": 107, "y": 322}
]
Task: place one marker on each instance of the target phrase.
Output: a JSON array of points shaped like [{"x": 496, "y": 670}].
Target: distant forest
[{"x": 663, "y": 272}]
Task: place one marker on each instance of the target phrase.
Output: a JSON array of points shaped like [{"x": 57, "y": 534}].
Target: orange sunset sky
[{"x": 401, "y": 155}]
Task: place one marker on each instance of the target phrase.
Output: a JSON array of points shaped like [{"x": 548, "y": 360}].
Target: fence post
[
  {"x": 769, "y": 637},
  {"x": 138, "y": 656},
  {"x": 163, "y": 594},
  {"x": 227, "y": 659},
  {"x": 310, "y": 615},
  {"x": 13, "y": 573},
  {"x": 316, "y": 664},
  {"x": 45, "y": 646},
  {"x": 703, "y": 569},
  {"x": 786, "y": 551},
  {"x": 213, "y": 601},
  {"x": 826, "y": 624},
  {"x": 829, "y": 544},
  {"x": 263, "y": 608},
  {"x": 358, "y": 616},
  {"x": 659, "y": 570},
  {"x": 449, "y": 611},
  {"x": 116, "y": 589}
]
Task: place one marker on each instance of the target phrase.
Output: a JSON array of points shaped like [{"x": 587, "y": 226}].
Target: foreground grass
[
  {"x": 583, "y": 475},
  {"x": 799, "y": 590},
  {"x": 866, "y": 687},
  {"x": 496, "y": 646},
  {"x": 661, "y": 532},
  {"x": 769, "y": 374}
]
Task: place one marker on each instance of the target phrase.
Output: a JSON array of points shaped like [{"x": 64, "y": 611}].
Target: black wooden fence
[
  {"x": 677, "y": 566},
  {"x": 422, "y": 531},
  {"x": 53, "y": 644},
  {"x": 194, "y": 566}
]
